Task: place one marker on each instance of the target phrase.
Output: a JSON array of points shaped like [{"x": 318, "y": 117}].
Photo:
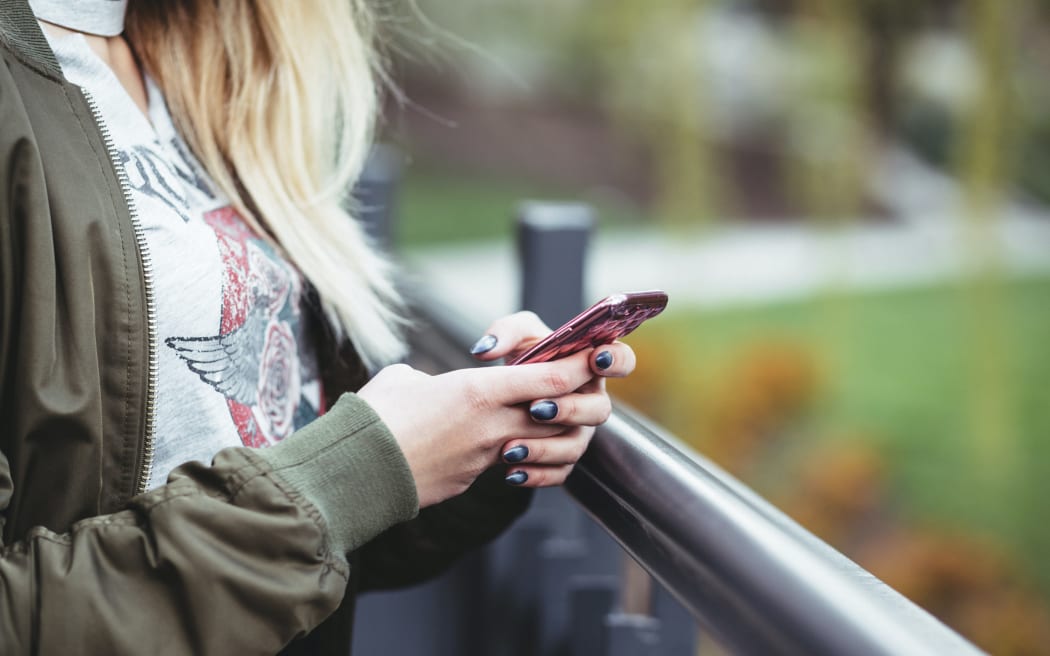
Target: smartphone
[{"x": 607, "y": 320}]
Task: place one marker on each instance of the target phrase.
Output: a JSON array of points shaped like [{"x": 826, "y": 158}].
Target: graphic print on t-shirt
[
  {"x": 162, "y": 176},
  {"x": 254, "y": 359},
  {"x": 227, "y": 300}
]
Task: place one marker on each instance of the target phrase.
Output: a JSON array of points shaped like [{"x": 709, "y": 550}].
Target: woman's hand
[
  {"x": 549, "y": 461},
  {"x": 454, "y": 426}
]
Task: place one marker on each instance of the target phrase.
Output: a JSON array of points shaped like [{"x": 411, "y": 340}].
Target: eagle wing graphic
[{"x": 230, "y": 362}]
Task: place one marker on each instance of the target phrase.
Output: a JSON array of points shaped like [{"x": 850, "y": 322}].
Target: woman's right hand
[{"x": 451, "y": 427}]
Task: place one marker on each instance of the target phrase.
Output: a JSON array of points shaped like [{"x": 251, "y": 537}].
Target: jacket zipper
[{"x": 147, "y": 275}]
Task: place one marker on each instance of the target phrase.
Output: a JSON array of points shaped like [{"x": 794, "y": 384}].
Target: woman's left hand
[{"x": 547, "y": 461}]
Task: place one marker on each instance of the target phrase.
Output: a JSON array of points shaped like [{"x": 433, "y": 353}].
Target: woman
[{"x": 179, "y": 286}]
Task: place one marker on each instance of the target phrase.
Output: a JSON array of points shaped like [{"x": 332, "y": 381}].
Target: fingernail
[
  {"x": 483, "y": 345},
  {"x": 604, "y": 360},
  {"x": 544, "y": 410},
  {"x": 517, "y": 454},
  {"x": 517, "y": 478}
]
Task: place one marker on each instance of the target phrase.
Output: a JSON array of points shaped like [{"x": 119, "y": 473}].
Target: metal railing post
[
  {"x": 552, "y": 241},
  {"x": 552, "y": 584},
  {"x": 552, "y": 248},
  {"x": 581, "y": 567},
  {"x": 373, "y": 199}
]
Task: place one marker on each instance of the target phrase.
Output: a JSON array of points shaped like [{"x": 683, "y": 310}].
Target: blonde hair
[{"x": 278, "y": 102}]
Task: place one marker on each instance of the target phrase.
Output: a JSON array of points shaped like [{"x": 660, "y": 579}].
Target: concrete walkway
[{"x": 750, "y": 264}]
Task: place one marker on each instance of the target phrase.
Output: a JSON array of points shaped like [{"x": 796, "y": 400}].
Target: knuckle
[
  {"x": 629, "y": 363},
  {"x": 395, "y": 370},
  {"x": 527, "y": 316},
  {"x": 558, "y": 476},
  {"x": 474, "y": 396},
  {"x": 566, "y": 411},
  {"x": 487, "y": 437},
  {"x": 478, "y": 464},
  {"x": 511, "y": 322},
  {"x": 469, "y": 468},
  {"x": 459, "y": 486},
  {"x": 538, "y": 477},
  {"x": 558, "y": 383},
  {"x": 580, "y": 449}
]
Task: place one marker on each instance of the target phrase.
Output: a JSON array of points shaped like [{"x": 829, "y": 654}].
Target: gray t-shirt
[{"x": 235, "y": 364}]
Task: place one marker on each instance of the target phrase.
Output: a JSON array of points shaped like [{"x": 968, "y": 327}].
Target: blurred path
[{"x": 751, "y": 264}]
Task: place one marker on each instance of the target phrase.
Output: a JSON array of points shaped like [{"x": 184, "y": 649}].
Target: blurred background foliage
[{"x": 909, "y": 425}]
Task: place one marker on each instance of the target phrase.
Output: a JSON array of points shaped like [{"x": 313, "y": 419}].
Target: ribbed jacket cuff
[{"x": 348, "y": 464}]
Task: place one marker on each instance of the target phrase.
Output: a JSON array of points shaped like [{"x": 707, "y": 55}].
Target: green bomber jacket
[{"x": 259, "y": 552}]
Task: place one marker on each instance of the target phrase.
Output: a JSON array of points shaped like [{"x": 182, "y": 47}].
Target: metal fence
[{"x": 725, "y": 562}]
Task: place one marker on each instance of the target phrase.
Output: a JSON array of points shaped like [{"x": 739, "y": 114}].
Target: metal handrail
[{"x": 751, "y": 576}]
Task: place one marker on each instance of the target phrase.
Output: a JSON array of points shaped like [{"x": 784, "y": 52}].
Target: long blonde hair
[{"x": 278, "y": 101}]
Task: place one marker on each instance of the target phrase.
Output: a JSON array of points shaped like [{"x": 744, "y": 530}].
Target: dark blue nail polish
[
  {"x": 544, "y": 410},
  {"x": 483, "y": 345},
  {"x": 517, "y": 454},
  {"x": 517, "y": 478},
  {"x": 604, "y": 360}
]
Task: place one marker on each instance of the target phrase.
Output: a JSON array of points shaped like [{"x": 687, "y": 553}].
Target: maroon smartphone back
[{"x": 605, "y": 321}]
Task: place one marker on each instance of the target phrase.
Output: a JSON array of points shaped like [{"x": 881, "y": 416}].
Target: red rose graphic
[{"x": 279, "y": 383}]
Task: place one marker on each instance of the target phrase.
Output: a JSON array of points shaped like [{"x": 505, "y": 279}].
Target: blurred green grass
[
  {"x": 442, "y": 206},
  {"x": 898, "y": 369}
]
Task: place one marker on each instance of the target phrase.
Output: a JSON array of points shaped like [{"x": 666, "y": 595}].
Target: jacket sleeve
[
  {"x": 417, "y": 550},
  {"x": 239, "y": 557}
]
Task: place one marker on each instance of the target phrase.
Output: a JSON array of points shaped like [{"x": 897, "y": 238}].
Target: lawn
[
  {"x": 962, "y": 418},
  {"x": 436, "y": 207},
  {"x": 948, "y": 385}
]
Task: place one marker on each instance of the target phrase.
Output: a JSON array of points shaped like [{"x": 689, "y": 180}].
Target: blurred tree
[
  {"x": 985, "y": 170},
  {"x": 650, "y": 81}
]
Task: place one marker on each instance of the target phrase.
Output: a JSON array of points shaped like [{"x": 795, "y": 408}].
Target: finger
[
  {"x": 614, "y": 360},
  {"x": 517, "y": 424},
  {"x": 537, "y": 475},
  {"x": 513, "y": 332},
  {"x": 572, "y": 410},
  {"x": 528, "y": 382},
  {"x": 564, "y": 449},
  {"x": 595, "y": 385}
]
